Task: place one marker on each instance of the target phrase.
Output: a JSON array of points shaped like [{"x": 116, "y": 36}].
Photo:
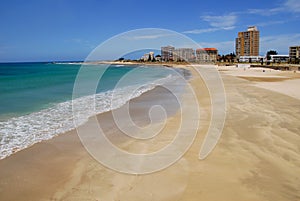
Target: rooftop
[{"x": 207, "y": 49}]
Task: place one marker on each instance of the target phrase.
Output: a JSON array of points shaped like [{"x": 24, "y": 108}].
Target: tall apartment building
[
  {"x": 184, "y": 54},
  {"x": 206, "y": 55},
  {"x": 294, "y": 54},
  {"x": 167, "y": 53},
  {"x": 247, "y": 42}
]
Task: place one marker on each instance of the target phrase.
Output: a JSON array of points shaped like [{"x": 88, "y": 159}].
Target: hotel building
[
  {"x": 167, "y": 53},
  {"x": 206, "y": 55},
  {"x": 184, "y": 54},
  {"x": 247, "y": 42},
  {"x": 294, "y": 54}
]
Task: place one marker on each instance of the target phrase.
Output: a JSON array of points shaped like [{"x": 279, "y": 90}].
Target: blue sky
[{"x": 43, "y": 30}]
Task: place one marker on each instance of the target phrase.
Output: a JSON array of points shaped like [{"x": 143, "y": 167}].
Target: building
[
  {"x": 167, "y": 53},
  {"x": 151, "y": 55},
  {"x": 145, "y": 57},
  {"x": 294, "y": 54},
  {"x": 206, "y": 55},
  {"x": 158, "y": 58},
  {"x": 184, "y": 54},
  {"x": 247, "y": 42},
  {"x": 250, "y": 59},
  {"x": 278, "y": 58},
  {"x": 148, "y": 57}
]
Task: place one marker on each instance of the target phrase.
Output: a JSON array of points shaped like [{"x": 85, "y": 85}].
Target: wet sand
[{"x": 257, "y": 157}]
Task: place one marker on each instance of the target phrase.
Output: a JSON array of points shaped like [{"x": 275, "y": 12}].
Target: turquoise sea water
[
  {"x": 28, "y": 87},
  {"x": 36, "y": 98}
]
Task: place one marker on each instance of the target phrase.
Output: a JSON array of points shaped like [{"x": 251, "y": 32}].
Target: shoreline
[
  {"x": 46, "y": 136},
  {"x": 284, "y": 67},
  {"x": 61, "y": 148},
  {"x": 257, "y": 157}
]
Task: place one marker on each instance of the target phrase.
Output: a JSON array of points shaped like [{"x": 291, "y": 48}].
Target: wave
[
  {"x": 21, "y": 132},
  {"x": 69, "y": 63}
]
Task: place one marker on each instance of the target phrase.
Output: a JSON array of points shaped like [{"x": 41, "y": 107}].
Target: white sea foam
[
  {"x": 70, "y": 63},
  {"x": 20, "y": 132}
]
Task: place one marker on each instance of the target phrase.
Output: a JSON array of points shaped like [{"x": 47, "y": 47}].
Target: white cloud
[
  {"x": 217, "y": 23},
  {"x": 200, "y": 31},
  {"x": 227, "y": 22},
  {"x": 265, "y": 12},
  {"x": 287, "y": 6},
  {"x": 280, "y": 43},
  {"x": 220, "y": 21},
  {"x": 208, "y": 30},
  {"x": 269, "y": 23},
  {"x": 292, "y": 5}
]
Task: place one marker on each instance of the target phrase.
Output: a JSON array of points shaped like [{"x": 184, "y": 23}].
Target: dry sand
[{"x": 257, "y": 157}]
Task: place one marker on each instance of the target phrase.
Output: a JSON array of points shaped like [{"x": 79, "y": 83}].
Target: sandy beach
[{"x": 257, "y": 157}]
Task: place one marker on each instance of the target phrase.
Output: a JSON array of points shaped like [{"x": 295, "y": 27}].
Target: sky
[{"x": 56, "y": 30}]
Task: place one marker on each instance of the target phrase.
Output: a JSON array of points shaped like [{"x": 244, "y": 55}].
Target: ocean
[{"x": 36, "y": 98}]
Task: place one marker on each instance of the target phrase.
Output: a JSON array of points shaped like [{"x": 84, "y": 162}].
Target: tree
[
  {"x": 230, "y": 57},
  {"x": 271, "y": 52},
  {"x": 227, "y": 58}
]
